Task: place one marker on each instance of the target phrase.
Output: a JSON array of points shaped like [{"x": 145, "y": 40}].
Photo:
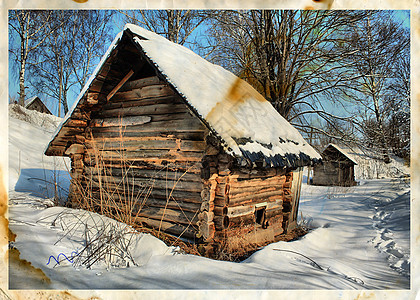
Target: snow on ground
[
  {"x": 29, "y": 169},
  {"x": 359, "y": 238}
]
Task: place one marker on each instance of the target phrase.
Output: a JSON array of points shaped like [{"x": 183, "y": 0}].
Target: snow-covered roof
[
  {"x": 30, "y": 100},
  {"x": 247, "y": 124},
  {"x": 344, "y": 152}
]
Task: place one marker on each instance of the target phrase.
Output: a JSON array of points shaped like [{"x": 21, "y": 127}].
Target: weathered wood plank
[
  {"x": 121, "y": 121},
  {"x": 162, "y": 126},
  {"x": 149, "y": 101},
  {"x": 150, "y": 91},
  {"x": 166, "y": 214},
  {"x": 165, "y": 133},
  {"x": 150, "y": 164},
  {"x": 146, "y": 193},
  {"x": 263, "y": 197},
  {"x": 144, "y": 110},
  {"x": 76, "y": 123},
  {"x": 177, "y": 230},
  {"x": 174, "y": 205},
  {"x": 164, "y": 173},
  {"x": 237, "y": 221},
  {"x": 163, "y": 184},
  {"x": 135, "y": 145},
  {"x": 139, "y": 83},
  {"x": 120, "y": 84},
  {"x": 75, "y": 149},
  {"x": 144, "y": 154}
]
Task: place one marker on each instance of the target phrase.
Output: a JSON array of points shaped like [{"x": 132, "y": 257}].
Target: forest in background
[{"x": 337, "y": 76}]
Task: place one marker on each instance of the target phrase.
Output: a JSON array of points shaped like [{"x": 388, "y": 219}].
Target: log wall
[
  {"x": 247, "y": 205},
  {"x": 334, "y": 174},
  {"x": 143, "y": 149}
]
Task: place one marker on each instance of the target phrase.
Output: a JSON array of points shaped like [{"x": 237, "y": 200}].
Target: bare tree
[
  {"x": 28, "y": 31},
  {"x": 94, "y": 34},
  {"x": 381, "y": 48},
  {"x": 177, "y": 26},
  {"x": 291, "y": 57},
  {"x": 68, "y": 55}
]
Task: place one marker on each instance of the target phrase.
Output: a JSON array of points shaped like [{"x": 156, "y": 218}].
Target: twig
[{"x": 318, "y": 266}]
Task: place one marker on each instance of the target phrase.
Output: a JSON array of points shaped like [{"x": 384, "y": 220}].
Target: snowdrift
[{"x": 359, "y": 237}]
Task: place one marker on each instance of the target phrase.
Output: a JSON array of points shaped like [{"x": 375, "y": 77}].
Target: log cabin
[
  {"x": 212, "y": 160},
  {"x": 337, "y": 168},
  {"x": 35, "y": 103}
]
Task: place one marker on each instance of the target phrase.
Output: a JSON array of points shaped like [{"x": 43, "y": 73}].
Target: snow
[
  {"x": 344, "y": 152},
  {"x": 359, "y": 237},
  {"x": 229, "y": 105},
  {"x": 29, "y": 169},
  {"x": 29, "y": 101},
  {"x": 371, "y": 166}
]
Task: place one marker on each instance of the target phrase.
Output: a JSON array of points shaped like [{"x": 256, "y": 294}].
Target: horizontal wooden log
[
  {"x": 76, "y": 123},
  {"x": 150, "y": 91},
  {"x": 121, "y": 121},
  {"x": 266, "y": 197},
  {"x": 238, "y": 221},
  {"x": 194, "y": 125},
  {"x": 70, "y": 131},
  {"x": 151, "y": 169},
  {"x": 143, "y": 155},
  {"x": 144, "y": 193},
  {"x": 75, "y": 149},
  {"x": 79, "y": 139},
  {"x": 139, "y": 83},
  {"x": 144, "y": 173},
  {"x": 149, "y": 163},
  {"x": 144, "y": 110},
  {"x": 270, "y": 213},
  {"x": 287, "y": 185},
  {"x": 168, "y": 100},
  {"x": 116, "y": 133},
  {"x": 273, "y": 181},
  {"x": 133, "y": 144},
  {"x": 174, "y": 205},
  {"x": 92, "y": 98},
  {"x": 80, "y": 115},
  {"x": 240, "y": 210},
  {"x": 178, "y": 230},
  {"x": 287, "y": 198},
  {"x": 257, "y": 195},
  {"x": 161, "y": 184},
  {"x": 167, "y": 215},
  {"x": 240, "y": 193}
]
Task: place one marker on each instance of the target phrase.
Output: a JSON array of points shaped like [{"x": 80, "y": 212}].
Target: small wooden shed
[
  {"x": 337, "y": 168},
  {"x": 35, "y": 103},
  {"x": 215, "y": 161}
]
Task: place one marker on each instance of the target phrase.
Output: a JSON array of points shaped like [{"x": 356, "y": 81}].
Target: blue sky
[{"x": 403, "y": 15}]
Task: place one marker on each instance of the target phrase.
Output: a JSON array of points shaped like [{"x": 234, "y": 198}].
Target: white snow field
[{"x": 359, "y": 237}]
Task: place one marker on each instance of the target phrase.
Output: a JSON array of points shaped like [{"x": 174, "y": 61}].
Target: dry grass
[{"x": 121, "y": 199}]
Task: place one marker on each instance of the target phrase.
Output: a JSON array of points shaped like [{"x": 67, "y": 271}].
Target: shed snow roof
[
  {"x": 344, "y": 152},
  {"x": 247, "y": 124},
  {"x": 30, "y": 100}
]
